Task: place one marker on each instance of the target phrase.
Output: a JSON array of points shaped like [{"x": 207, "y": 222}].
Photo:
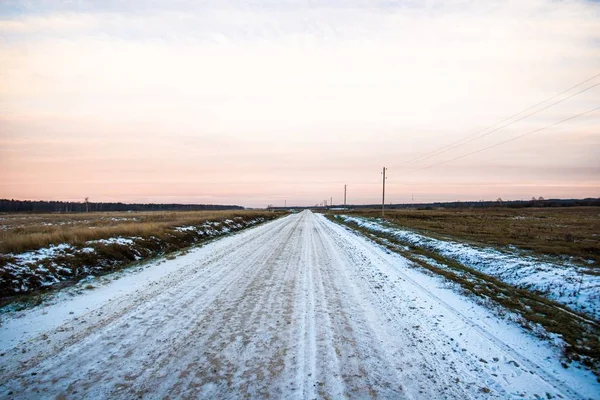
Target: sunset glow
[{"x": 257, "y": 103}]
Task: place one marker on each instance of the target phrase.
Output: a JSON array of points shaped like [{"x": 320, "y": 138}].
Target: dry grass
[
  {"x": 153, "y": 233},
  {"x": 22, "y": 232},
  {"x": 571, "y": 232}
]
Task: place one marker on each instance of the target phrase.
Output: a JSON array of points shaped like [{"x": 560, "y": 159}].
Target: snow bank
[{"x": 565, "y": 283}]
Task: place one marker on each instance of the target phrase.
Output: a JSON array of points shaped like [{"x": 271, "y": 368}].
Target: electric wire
[
  {"x": 476, "y": 135},
  {"x": 509, "y": 140}
]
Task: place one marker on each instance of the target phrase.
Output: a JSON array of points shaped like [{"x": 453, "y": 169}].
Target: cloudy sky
[{"x": 258, "y": 102}]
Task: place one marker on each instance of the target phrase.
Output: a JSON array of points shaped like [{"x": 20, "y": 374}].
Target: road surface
[{"x": 298, "y": 308}]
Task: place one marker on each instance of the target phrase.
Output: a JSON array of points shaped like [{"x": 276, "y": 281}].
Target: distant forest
[
  {"x": 501, "y": 203},
  {"x": 13, "y": 206},
  {"x": 540, "y": 202}
]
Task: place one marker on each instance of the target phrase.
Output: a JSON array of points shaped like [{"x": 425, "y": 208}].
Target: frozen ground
[
  {"x": 565, "y": 283},
  {"x": 295, "y": 308}
]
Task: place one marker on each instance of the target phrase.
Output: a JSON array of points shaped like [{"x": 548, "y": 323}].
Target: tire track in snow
[
  {"x": 305, "y": 315},
  {"x": 362, "y": 366}
]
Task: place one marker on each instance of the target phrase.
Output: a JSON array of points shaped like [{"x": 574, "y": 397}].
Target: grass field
[
  {"x": 570, "y": 232},
  {"x": 23, "y": 232},
  {"x": 39, "y": 251}
]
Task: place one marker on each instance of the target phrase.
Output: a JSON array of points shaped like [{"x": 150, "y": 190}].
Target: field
[
  {"x": 45, "y": 250},
  {"x": 572, "y": 232},
  {"x": 23, "y": 232}
]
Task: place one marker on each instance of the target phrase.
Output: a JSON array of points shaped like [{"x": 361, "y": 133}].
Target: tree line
[
  {"x": 534, "y": 202},
  {"x": 14, "y": 206},
  {"x": 539, "y": 202}
]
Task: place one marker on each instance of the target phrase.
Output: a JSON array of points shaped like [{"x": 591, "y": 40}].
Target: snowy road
[{"x": 296, "y": 308}]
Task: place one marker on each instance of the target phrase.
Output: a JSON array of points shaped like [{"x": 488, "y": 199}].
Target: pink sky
[{"x": 238, "y": 103}]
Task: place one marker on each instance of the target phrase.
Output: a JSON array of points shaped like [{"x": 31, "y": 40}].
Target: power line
[
  {"x": 510, "y": 140},
  {"x": 451, "y": 145},
  {"x": 510, "y": 123}
]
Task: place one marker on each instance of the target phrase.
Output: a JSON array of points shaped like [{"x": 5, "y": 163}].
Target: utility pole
[
  {"x": 87, "y": 203},
  {"x": 331, "y": 202},
  {"x": 345, "y": 186},
  {"x": 383, "y": 195}
]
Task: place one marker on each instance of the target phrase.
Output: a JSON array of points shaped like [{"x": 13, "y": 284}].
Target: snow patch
[
  {"x": 114, "y": 240},
  {"x": 29, "y": 257},
  {"x": 185, "y": 228}
]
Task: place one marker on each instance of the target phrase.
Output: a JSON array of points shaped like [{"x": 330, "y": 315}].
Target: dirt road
[{"x": 296, "y": 308}]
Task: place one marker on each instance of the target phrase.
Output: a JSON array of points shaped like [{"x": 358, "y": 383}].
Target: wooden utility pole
[
  {"x": 383, "y": 195},
  {"x": 345, "y": 187},
  {"x": 87, "y": 202},
  {"x": 331, "y": 202}
]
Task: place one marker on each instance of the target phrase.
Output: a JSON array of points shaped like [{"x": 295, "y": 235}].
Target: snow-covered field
[
  {"x": 566, "y": 283},
  {"x": 296, "y": 308}
]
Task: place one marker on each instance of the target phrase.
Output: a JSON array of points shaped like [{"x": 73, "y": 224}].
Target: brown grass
[
  {"x": 571, "y": 232},
  {"x": 22, "y": 232}
]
